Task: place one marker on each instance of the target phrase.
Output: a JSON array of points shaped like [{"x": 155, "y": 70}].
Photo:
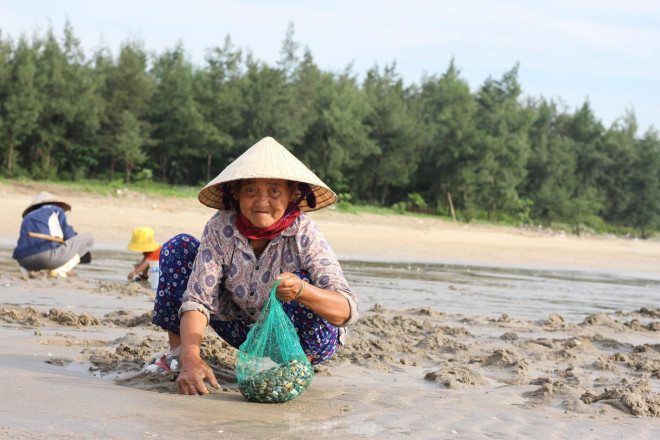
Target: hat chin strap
[
  {"x": 228, "y": 201},
  {"x": 305, "y": 193}
]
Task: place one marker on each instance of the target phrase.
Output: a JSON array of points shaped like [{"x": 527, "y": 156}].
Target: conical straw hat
[
  {"x": 45, "y": 198},
  {"x": 267, "y": 159}
]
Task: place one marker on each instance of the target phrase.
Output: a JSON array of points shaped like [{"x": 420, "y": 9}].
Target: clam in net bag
[{"x": 272, "y": 366}]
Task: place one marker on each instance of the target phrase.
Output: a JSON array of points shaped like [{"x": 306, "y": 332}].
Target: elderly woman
[{"x": 261, "y": 233}]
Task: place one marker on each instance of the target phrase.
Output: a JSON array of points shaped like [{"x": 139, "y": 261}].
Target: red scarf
[{"x": 247, "y": 229}]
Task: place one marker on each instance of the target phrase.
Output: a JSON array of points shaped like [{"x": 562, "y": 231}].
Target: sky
[{"x": 571, "y": 51}]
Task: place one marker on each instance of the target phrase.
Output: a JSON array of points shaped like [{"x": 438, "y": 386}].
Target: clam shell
[{"x": 278, "y": 384}]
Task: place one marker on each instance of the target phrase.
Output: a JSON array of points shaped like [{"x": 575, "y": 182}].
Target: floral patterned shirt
[{"x": 228, "y": 282}]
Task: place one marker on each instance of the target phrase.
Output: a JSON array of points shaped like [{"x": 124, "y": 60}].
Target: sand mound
[
  {"x": 636, "y": 397},
  {"x": 32, "y": 317},
  {"x": 455, "y": 377}
]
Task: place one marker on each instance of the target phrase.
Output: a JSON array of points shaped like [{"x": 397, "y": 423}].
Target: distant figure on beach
[
  {"x": 47, "y": 241},
  {"x": 260, "y": 233},
  {"x": 143, "y": 241}
]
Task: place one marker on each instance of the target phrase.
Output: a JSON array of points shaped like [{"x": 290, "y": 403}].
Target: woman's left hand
[{"x": 289, "y": 286}]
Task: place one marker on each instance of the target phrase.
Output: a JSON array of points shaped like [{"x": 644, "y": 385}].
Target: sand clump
[
  {"x": 549, "y": 388},
  {"x": 124, "y": 354},
  {"x": 509, "y": 336},
  {"x": 636, "y": 397},
  {"x": 32, "y": 317},
  {"x": 455, "y": 377},
  {"x": 124, "y": 318},
  {"x": 637, "y": 325},
  {"x": 554, "y": 319},
  {"x": 124, "y": 289},
  {"x": 649, "y": 312},
  {"x": 502, "y": 357},
  {"x": 599, "y": 319}
]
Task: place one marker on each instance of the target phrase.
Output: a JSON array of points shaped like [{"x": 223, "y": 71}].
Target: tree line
[{"x": 435, "y": 146}]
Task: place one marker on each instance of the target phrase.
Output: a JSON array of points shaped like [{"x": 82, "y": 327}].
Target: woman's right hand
[{"x": 193, "y": 373}]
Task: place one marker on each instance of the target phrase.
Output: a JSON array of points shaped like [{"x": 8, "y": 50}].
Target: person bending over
[
  {"x": 260, "y": 233},
  {"x": 46, "y": 239}
]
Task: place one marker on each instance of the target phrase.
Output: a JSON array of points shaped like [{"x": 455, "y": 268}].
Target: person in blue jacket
[{"x": 47, "y": 241}]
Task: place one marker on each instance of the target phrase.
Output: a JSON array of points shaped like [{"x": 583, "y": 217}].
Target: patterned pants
[{"x": 318, "y": 338}]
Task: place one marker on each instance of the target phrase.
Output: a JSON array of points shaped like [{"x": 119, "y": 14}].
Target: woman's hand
[
  {"x": 289, "y": 287},
  {"x": 328, "y": 304},
  {"x": 193, "y": 368},
  {"x": 193, "y": 373}
]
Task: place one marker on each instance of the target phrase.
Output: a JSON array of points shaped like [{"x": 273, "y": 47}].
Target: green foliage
[
  {"x": 337, "y": 141},
  {"x": 394, "y": 129},
  {"x": 344, "y": 202},
  {"x": 129, "y": 143},
  {"x": 449, "y": 160},
  {"x": 525, "y": 207},
  {"x": 416, "y": 202},
  {"x": 400, "y": 207},
  {"x": 157, "y": 120},
  {"x": 20, "y": 106},
  {"x": 178, "y": 125},
  {"x": 126, "y": 90},
  {"x": 643, "y": 204},
  {"x": 582, "y": 211},
  {"x": 344, "y": 198},
  {"x": 504, "y": 147},
  {"x": 145, "y": 175},
  {"x": 216, "y": 90},
  {"x": 551, "y": 167}
]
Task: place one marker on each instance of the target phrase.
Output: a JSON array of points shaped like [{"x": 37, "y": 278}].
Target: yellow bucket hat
[{"x": 142, "y": 240}]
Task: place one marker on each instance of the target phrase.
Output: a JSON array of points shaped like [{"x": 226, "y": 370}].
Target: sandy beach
[{"x": 71, "y": 350}]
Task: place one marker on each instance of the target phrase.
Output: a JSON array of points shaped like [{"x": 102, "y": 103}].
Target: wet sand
[{"x": 71, "y": 350}]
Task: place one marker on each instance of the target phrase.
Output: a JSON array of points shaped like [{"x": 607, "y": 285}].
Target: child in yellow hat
[{"x": 143, "y": 241}]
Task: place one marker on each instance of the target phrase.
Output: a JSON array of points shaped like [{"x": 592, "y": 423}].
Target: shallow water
[
  {"x": 490, "y": 291},
  {"x": 520, "y": 293}
]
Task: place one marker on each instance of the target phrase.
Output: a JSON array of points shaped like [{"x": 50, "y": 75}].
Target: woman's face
[{"x": 264, "y": 201}]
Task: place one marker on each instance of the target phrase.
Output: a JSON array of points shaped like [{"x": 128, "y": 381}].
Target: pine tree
[
  {"x": 20, "y": 106},
  {"x": 394, "y": 129},
  {"x": 643, "y": 207}
]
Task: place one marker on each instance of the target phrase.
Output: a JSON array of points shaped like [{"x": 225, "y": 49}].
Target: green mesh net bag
[{"x": 272, "y": 366}]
